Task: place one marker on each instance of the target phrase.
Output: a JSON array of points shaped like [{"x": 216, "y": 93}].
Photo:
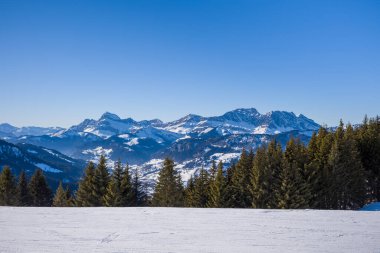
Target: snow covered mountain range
[{"x": 193, "y": 141}]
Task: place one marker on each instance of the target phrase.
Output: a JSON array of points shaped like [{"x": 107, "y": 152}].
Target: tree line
[{"x": 338, "y": 169}]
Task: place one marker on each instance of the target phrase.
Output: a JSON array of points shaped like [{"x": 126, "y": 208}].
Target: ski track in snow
[{"x": 39, "y": 230}]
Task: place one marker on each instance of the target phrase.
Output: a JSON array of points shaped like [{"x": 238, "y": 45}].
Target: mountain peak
[{"x": 108, "y": 115}]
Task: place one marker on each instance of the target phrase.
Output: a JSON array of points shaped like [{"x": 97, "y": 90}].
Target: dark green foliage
[
  {"x": 260, "y": 175},
  {"x": 7, "y": 187},
  {"x": 113, "y": 196},
  {"x": 101, "y": 180},
  {"x": 85, "y": 195},
  {"x": 169, "y": 189},
  {"x": 60, "y": 198},
  {"x": 201, "y": 188},
  {"x": 241, "y": 196},
  {"x": 217, "y": 188},
  {"x": 39, "y": 190},
  {"x": 22, "y": 192},
  {"x": 139, "y": 197}
]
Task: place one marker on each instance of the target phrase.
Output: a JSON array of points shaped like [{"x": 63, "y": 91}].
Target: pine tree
[
  {"x": 169, "y": 189},
  {"x": 113, "y": 196},
  {"x": 213, "y": 169},
  {"x": 7, "y": 187},
  {"x": 274, "y": 161},
  {"x": 23, "y": 196},
  {"x": 241, "y": 180},
  {"x": 217, "y": 188},
  {"x": 127, "y": 197},
  {"x": 102, "y": 178},
  {"x": 201, "y": 188},
  {"x": 39, "y": 190},
  {"x": 138, "y": 193},
  {"x": 348, "y": 175},
  {"x": 260, "y": 179},
  {"x": 85, "y": 195},
  {"x": 189, "y": 199},
  {"x": 368, "y": 142},
  {"x": 289, "y": 194},
  {"x": 69, "y": 196},
  {"x": 60, "y": 197}
]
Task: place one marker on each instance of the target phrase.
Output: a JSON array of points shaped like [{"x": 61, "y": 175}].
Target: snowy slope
[{"x": 186, "y": 230}]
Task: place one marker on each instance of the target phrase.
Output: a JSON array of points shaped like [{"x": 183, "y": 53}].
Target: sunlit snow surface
[{"x": 186, "y": 230}]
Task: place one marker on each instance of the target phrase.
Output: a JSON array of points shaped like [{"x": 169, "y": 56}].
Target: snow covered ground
[{"x": 186, "y": 230}]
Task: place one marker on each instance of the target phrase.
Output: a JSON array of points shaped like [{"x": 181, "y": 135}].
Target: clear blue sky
[{"x": 63, "y": 61}]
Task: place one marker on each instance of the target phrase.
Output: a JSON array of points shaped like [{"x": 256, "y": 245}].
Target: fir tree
[
  {"x": 127, "y": 197},
  {"x": 217, "y": 188},
  {"x": 189, "y": 193},
  {"x": 23, "y": 196},
  {"x": 201, "y": 188},
  {"x": 85, "y": 195},
  {"x": 113, "y": 196},
  {"x": 39, "y": 190},
  {"x": 60, "y": 197},
  {"x": 7, "y": 187},
  {"x": 138, "y": 193},
  {"x": 102, "y": 178},
  {"x": 274, "y": 161},
  {"x": 241, "y": 180},
  {"x": 260, "y": 179},
  {"x": 169, "y": 189}
]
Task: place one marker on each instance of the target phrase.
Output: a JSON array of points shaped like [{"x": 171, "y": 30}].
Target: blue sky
[{"x": 63, "y": 61}]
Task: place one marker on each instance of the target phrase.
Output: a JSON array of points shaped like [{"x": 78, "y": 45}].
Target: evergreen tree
[
  {"x": 127, "y": 197},
  {"x": 368, "y": 141},
  {"x": 102, "y": 178},
  {"x": 201, "y": 188},
  {"x": 289, "y": 194},
  {"x": 348, "y": 176},
  {"x": 296, "y": 155},
  {"x": 217, "y": 188},
  {"x": 213, "y": 169},
  {"x": 23, "y": 197},
  {"x": 113, "y": 196},
  {"x": 260, "y": 177},
  {"x": 241, "y": 181},
  {"x": 85, "y": 195},
  {"x": 7, "y": 187},
  {"x": 69, "y": 196},
  {"x": 189, "y": 198},
  {"x": 138, "y": 193},
  {"x": 169, "y": 189},
  {"x": 60, "y": 197},
  {"x": 39, "y": 190},
  {"x": 274, "y": 161}
]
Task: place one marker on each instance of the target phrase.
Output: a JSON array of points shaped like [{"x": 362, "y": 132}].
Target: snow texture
[
  {"x": 47, "y": 168},
  {"x": 186, "y": 230}
]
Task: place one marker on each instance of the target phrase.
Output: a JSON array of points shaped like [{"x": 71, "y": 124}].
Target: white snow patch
[{"x": 47, "y": 168}]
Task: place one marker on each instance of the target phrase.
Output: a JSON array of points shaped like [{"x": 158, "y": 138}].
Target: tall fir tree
[
  {"x": 260, "y": 176},
  {"x": 22, "y": 192},
  {"x": 7, "y": 187},
  {"x": 217, "y": 188},
  {"x": 84, "y": 196},
  {"x": 40, "y": 192},
  {"x": 139, "y": 197},
  {"x": 241, "y": 196},
  {"x": 189, "y": 198},
  {"x": 127, "y": 197},
  {"x": 102, "y": 178},
  {"x": 60, "y": 198},
  {"x": 113, "y": 196},
  {"x": 201, "y": 188},
  {"x": 274, "y": 161},
  {"x": 169, "y": 190}
]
